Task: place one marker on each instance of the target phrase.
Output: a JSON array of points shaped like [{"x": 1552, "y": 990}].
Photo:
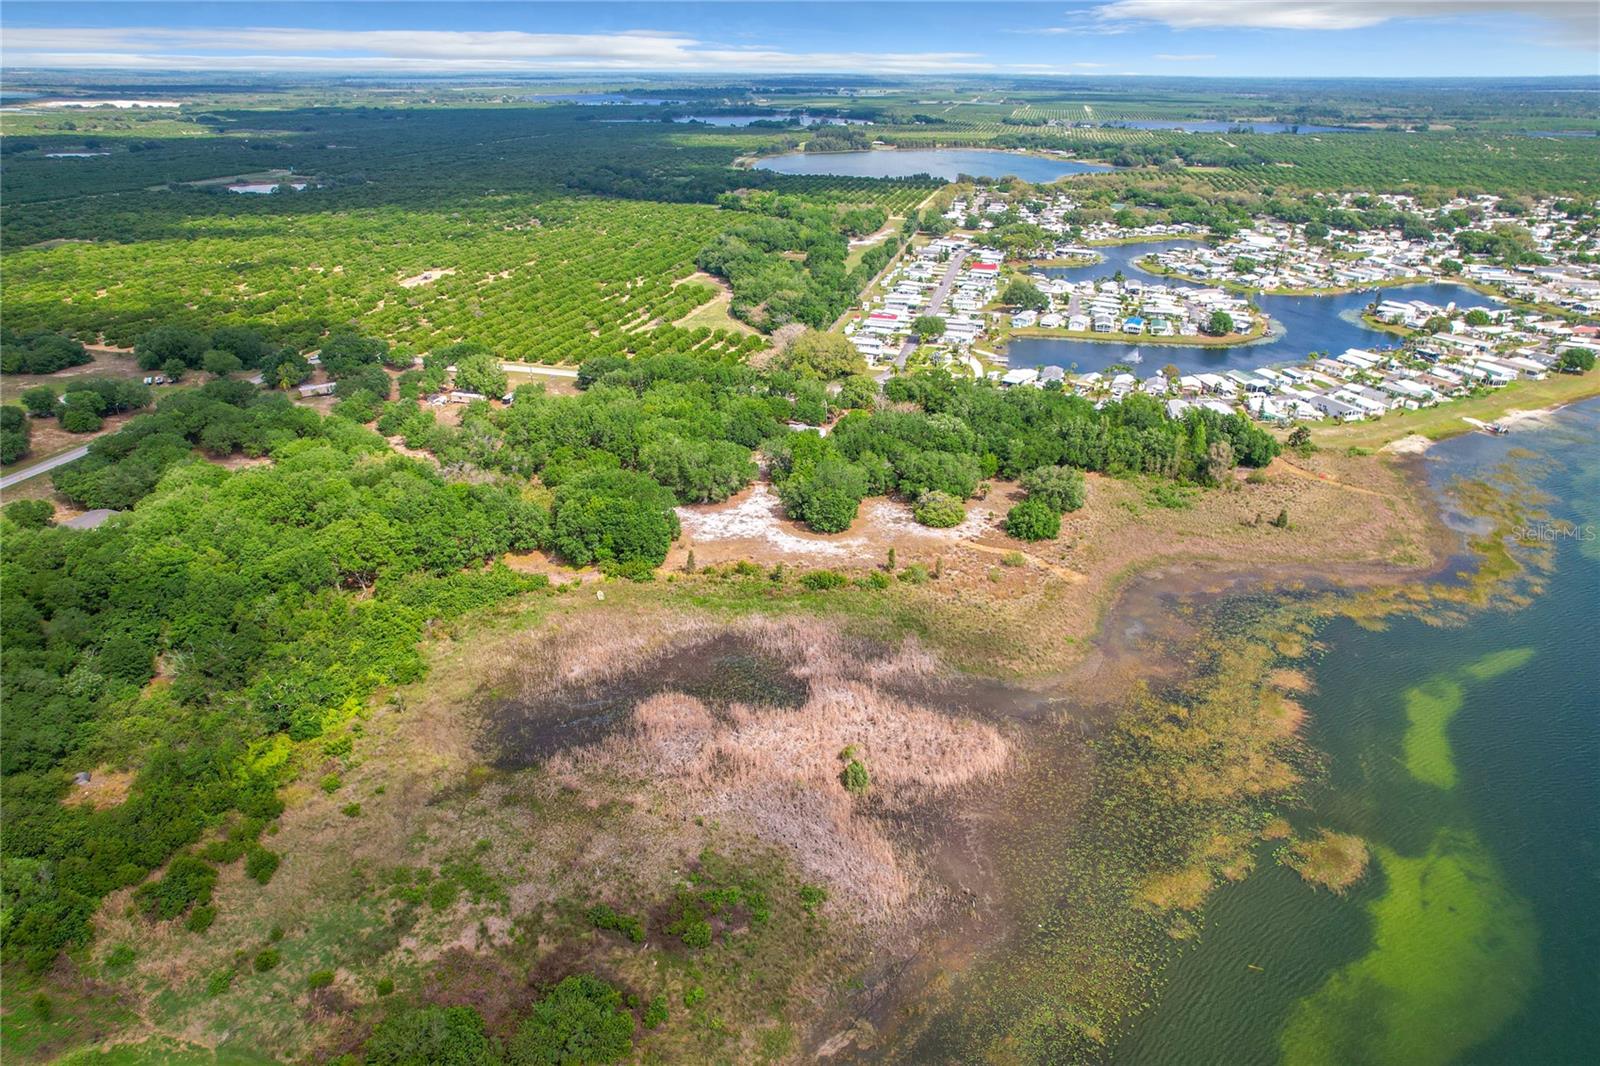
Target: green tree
[
  {"x": 81, "y": 410},
  {"x": 581, "y": 1022},
  {"x": 221, "y": 363},
  {"x": 164, "y": 344},
  {"x": 940, "y": 510},
  {"x": 40, "y": 401},
  {"x": 15, "y": 434},
  {"x": 30, "y": 514},
  {"x": 1025, "y": 295},
  {"x": 928, "y": 327},
  {"x": 613, "y": 516},
  {"x": 1220, "y": 323},
  {"x": 826, "y": 496},
  {"x": 480, "y": 372},
  {"x": 431, "y": 1036},
  {"x": 822, "y": 355},
  {"x": 1576, "y": 361},
  {"x": 1060, "y": 487},
  {"x": 1033, "y": 520}
]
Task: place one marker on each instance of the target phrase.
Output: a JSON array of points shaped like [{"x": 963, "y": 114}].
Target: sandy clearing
[{"x": 1415, "y": 444}]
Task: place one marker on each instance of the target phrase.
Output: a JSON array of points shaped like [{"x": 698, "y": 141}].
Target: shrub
[
  {"x": 812, "y": 897},
  {"x": 431, "y": 1036},
  {"x": 822, "y": 580},
  {"x": 219, "y": 982},
  {"x": 119, "y": 956},
  {"x": 351, "y": 810},
  {"x": 260, "y": 863},
  {"x": 1282, "y": 521},
  {"x": 854, "y": 777},
  {"x": 914, "y": 574},
  {"x": 694, "y": 995},
  {"x": 938, "y": 509},
  {"x": 200, "y": 919},
  {"x": 603, "y": 917},
  {"x": 30, "y": 514},
  {"x": 1013, "y": 558},
  {"x": 188, "y": 882},
  {"x": 1061, "y": 487},
  {"x": 384, "y": 986},
  {"x": 331, "y": 783},
  {"x": 266, "y": 959},
  {"x": 582, "y": 1020},
  {"x": 319, "y": 979},
  {"x": 655, "y": 1015},
  {"x": 693, "y": 930},
  {"x": 1033, "y": 519}
]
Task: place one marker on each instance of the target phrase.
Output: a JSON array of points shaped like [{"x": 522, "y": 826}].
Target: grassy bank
[{"x": 1449, "y": 419}]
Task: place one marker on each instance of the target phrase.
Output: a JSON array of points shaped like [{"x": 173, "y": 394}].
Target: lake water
[
  {"x": 1469, "y": 758},
  {"x": 597, "y": 98},
  {"x": 946, "y": 163},
  {"x": 1304, "y": 323}
]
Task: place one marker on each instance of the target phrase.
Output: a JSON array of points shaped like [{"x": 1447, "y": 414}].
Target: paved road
[
  {"x": 44, "y": 466},
  {"x": 935, "y": 302}
]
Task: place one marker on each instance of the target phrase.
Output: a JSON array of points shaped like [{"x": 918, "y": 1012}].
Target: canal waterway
[{"x": 1301, "y": 324}]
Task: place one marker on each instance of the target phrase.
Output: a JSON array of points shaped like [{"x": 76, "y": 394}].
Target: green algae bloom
[
  {"x": 1430, "y": 707},
  {"x": 1454, "y": 957}
]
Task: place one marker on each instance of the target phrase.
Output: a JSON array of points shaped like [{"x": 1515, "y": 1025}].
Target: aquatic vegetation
[
  {"x": 1429, "y": 708},
  {"x": 1333, "y": 860},
  {"x": 1453, "y": 958},
  {"x": 1431, "y": 705}
]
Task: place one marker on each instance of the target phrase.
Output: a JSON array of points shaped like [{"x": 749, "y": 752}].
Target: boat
[{"x": 1135, "y": 358}]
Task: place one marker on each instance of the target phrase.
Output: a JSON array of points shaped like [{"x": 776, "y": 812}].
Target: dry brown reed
[{"x": 774, "y": 772}]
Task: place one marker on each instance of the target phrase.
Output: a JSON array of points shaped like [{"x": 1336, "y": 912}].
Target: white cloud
[
  {"x": 449, "y": 51},
  {"x": 1580, "y": 15},
  {"x": 1192, "y": 57}
]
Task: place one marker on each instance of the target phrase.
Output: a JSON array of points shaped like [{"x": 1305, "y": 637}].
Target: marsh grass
[{"x": 1333, "y": 860}]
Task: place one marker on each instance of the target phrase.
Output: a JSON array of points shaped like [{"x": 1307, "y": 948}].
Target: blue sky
[{"x": 1268, "y": 38}]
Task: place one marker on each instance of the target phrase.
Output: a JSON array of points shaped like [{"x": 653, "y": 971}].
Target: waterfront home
[{"x": 1019, "y": 376}]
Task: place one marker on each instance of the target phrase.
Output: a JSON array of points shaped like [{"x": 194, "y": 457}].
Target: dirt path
[
  {"x": 1311, "y": 475},
  {"x": 1059, "y": 571}
]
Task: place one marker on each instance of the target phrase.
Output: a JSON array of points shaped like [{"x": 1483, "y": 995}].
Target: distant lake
[
  {"x": 947, "y": 163},
  {"x": 597, "y": 98},
  {"x": 1303, "y": 324},
  {"x": 74, "y": 155}
]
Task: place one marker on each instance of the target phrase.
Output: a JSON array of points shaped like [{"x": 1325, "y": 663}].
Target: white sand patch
[
  {"x": 896, "y": 518},
  {"x": 758, "y": 515},
  {"x": 1539, "y": 416},
  {"x": 1415, "y": 444},
  {"x": 427, "y": 277}
]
